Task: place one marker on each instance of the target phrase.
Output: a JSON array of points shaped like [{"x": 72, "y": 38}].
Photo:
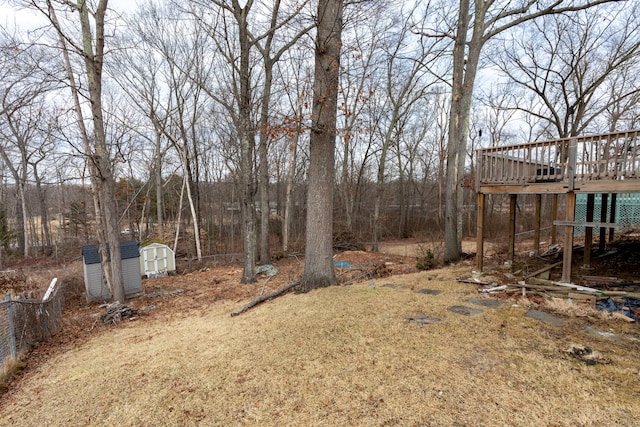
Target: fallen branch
[{"x": 263, "y": 298}]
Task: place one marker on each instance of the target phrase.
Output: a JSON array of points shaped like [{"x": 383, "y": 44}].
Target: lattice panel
[{"x": 627, "y": 210}]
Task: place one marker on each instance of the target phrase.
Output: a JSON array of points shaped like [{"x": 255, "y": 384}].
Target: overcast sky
[{"x": 27, "y": 19}]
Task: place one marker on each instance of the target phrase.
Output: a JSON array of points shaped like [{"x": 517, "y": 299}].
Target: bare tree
[
  {"x": 573, "y": 69},
  {"x": 318, "y": 264},
  {"x": 25, "y": 82},
  {"x": 81, "y": 32},
  {"x": 407, "y": 81}
]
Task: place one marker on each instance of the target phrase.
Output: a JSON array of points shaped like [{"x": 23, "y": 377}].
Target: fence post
[{"x": 12, "y": 332}]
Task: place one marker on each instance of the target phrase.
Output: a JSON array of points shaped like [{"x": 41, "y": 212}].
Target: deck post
[
  {"x": 554, "y": 216},
  {"x": 573, "y": 159},
  {"x": 588, "y": 231},
  {"x": 536, "y": 225},
  {"x": 568, "y": 238},
  {"x": 612, "y": 215},
  {"x": 512, "y": 227},
  {"x": 480, "y": 233},
  {"x": 603, "y": 218}
]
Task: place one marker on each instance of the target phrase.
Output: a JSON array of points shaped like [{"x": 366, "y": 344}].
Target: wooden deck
[{"x": 605, "y": 163}]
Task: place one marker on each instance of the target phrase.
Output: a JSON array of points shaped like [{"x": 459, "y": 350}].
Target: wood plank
[
  {"x": 600, "y": 279},
  {"x": 590, "y": 299},
  {"x": 569, "y": 286},
  {"x": 543, "y": 270},
  {"x": 591, "y": 224}
]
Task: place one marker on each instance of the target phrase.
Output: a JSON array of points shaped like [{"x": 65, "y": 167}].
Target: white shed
[
  {"x": 94, "y": 281},
  {"x": 157, "y": 260}
]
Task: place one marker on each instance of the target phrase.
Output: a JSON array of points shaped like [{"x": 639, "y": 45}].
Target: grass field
[{"x": 340, "y": 356}]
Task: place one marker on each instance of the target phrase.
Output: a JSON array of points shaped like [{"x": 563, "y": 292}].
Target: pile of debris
[
  {"x": 622, "y": 298},
  {"x": 116, "y": 311}
]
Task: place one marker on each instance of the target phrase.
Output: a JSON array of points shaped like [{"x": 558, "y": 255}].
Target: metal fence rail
[{"x": 25, "y": 322}]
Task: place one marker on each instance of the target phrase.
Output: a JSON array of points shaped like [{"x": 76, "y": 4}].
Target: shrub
[{"x": 425, "y": 259}]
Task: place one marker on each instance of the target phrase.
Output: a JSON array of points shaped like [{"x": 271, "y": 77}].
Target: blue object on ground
[
  {"x": 610, "y": 305},
  {"x": 342, "y": 264}
]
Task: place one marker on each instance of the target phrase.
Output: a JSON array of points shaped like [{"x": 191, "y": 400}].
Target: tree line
[{"x": 359, "y": 117}]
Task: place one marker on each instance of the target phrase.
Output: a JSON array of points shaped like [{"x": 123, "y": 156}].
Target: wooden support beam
[
  {"x": 568, "y": 238},
  {"x": 603, "y": 218},
  {"x": 512, "y": 227},
  {"x": 612, "y": 215},
  {"x": 480, "y": 233},
  {"x": 554, "y": 216},
  {"x": 536, "y": 225},
  {"x": 590, "y": 224},
  {"x": 571, "y": 165},
  {"x": 588, "y": 231}
]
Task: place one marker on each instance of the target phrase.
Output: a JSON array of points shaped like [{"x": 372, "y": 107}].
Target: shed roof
[{"x": 128, "y": 250}]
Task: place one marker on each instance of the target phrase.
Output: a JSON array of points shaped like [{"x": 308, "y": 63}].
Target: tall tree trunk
[
  {"x": 318, "y": 264},
  {"x": 104, "y": 180},
  {"x": 265, "y": 248},
  {"x": 99, "y": 162},
  {"x": 158, "y": 182},
  {"x": 465, "y": 65},
  {"x": 194, "y": 214},
  {"x": 347, "y": 196},
  {"x": 288, "y": 204},
  {"x": 179, "y": 216},
  {"x": 22, "y": 218},
  {"x": 379, "y": 192},
  {"x": 44, "y": 215},
  {"x": 247, "y": 146}
]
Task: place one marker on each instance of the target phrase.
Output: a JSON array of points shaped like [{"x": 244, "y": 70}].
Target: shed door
[{"x": 155, "y": 259}]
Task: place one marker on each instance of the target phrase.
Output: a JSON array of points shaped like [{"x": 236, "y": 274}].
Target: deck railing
[{"x": 611, "y": 156}]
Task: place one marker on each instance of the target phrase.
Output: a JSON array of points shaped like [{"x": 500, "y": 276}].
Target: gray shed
[{"x": 94, "y": 281}]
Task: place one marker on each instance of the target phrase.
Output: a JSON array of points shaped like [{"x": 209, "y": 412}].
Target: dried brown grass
[
  {"x": 11, "y": 368},
  {"x": 341, "y": 356}
]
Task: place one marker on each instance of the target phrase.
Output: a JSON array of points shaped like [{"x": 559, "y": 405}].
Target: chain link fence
[{"x": 25, "y": 322}]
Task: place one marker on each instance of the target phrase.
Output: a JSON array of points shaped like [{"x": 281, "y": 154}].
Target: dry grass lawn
[{"x": 341, "y": 356}]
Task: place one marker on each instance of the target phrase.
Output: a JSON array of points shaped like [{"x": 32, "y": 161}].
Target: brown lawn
[{"x": 340, "y": 356}]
